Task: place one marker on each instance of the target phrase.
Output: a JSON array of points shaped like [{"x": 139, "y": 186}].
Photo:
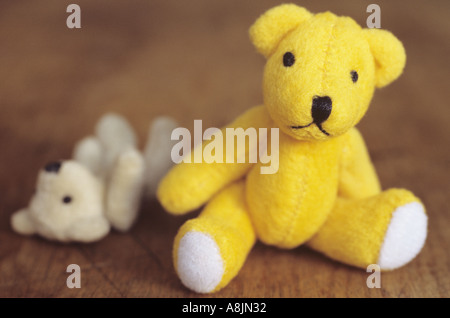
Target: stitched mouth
[{"x": 318, "y": 126}]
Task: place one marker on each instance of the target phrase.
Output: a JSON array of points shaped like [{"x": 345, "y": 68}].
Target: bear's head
[
  {"x": 67, "y": 196},
  {"x": 321, "y": 69}
]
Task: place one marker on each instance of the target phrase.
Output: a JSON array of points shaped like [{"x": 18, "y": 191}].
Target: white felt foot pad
[
  {"x": 405, "y": 236},
  {"x": 199, "y": 264}
]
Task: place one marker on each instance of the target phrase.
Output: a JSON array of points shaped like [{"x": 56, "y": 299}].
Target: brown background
[{"x": 193, "y": 60}]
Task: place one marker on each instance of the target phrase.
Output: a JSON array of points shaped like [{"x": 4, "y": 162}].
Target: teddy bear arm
[
  {"x": 358, "y": 178},
  {"x": 187, "y": 186},
  {"x": 88, "y": 152},
  {"x": 125, "y": 190}
]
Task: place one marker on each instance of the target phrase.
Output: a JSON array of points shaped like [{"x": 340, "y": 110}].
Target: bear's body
[
  {"x": 289, "y": 206},
  {"x": 319, "y": 78}
]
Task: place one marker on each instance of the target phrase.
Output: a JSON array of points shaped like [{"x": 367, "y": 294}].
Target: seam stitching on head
[
  {"x": 327, "y": 51},
  {"x": 302, "y": 193},
  {"x": 279, "y": 41},
  {"x": 285, "y": 36}
]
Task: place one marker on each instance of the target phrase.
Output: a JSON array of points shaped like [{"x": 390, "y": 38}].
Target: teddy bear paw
[
  {"x": 405, "y": 236},
  {"x": 199, "y": 264}
]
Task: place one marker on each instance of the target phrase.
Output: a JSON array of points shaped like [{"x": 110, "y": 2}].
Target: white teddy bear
[{"x": 101, "y": 187}]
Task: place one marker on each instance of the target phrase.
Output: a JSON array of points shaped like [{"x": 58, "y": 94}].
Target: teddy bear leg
[
  {"x": 210, "y": 250},
  {"x": 124, "y": 191},
  {"x": 388, "y": 229},
  {"x": 88, "y": 152},
  {"x": 157, "y": 152}
]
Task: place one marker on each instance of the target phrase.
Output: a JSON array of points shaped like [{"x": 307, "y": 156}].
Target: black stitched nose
[
  {"x": 321, "y": 108},
  {"x": 53, "y": 167}
]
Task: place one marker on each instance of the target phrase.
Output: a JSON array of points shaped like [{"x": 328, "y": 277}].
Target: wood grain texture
[{"x": 193, "y": 60}]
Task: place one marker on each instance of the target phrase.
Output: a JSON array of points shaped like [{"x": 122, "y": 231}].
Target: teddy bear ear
[
  {"x": 389, "y": 55},
  {"x": 270, "y": 27}
]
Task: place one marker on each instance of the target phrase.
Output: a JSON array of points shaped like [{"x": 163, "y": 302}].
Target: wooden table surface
[{"x": 193, "y": 60}]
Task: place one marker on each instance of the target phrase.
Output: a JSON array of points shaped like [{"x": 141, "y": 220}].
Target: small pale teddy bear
[{"x": 101, "y": 187}]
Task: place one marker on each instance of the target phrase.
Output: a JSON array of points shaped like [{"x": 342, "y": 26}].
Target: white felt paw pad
[
  {"x": 405, "y": 236},
  {"x": 199, "y": 264}
]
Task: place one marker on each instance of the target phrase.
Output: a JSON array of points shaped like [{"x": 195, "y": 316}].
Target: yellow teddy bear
[{"x": 319, "y": 79}]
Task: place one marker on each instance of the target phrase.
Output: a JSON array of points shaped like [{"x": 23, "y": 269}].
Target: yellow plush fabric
[
  {"x": 188, "y": 186},
  {"x": 226, "y": 220},
  {"x": 319, "y": 79},
  {"x": 288, "y": 207},
  {"x": 357, "y": 177},
  {"x": 272, "y": 26},
  {"x": 326, "y": 48},
  {"x": 389, "y": 54},
  {"x": 354, "y": 231}
]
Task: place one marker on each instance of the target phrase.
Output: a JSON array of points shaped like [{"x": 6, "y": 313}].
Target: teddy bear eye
[
  {"x": 354, "y": 75},
  {"x": 288, "y": 59},
  {"x": 67, "y": 199}
]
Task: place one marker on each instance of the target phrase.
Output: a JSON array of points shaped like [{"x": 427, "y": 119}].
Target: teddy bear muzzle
[{"x": 320, "y": 111}]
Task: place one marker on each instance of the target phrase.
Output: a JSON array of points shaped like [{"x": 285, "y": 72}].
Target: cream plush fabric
[{"x": 101, "y": 187}]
